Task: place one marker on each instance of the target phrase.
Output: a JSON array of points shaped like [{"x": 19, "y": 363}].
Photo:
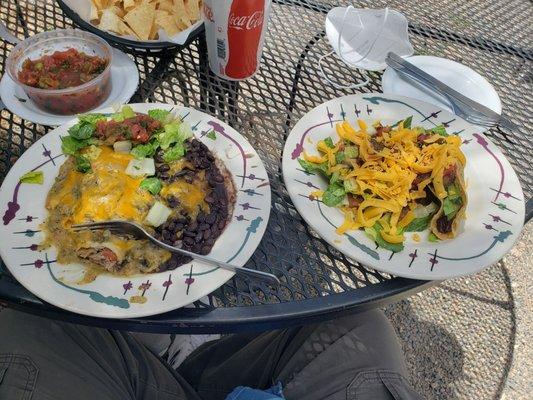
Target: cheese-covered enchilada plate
[
  {"x": 190, "y": 179},
  {"x": 403, "y": 186}
]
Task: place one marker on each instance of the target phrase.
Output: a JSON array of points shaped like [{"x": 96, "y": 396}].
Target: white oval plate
[
  {"x": 458, "y": 76},
  {"x": 22, "y": 207},
  {"x": 495, "y": 211},
  {"x": 124, "y": 82}
]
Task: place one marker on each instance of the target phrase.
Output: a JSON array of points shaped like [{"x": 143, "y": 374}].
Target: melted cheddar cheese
[{"x": 105, "y": 193}]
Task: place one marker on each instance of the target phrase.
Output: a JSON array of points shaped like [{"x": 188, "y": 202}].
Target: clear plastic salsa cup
[{"x": 72, "y": 100}]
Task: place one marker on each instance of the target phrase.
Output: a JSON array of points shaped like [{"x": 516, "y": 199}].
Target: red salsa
[{"x": 61, "y": 70}]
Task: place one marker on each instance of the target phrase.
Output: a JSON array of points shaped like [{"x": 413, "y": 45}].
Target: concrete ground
[{"x": 468, "y": 338}]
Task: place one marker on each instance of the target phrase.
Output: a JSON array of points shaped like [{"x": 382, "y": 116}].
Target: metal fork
[{"x": 136, "y": 230}]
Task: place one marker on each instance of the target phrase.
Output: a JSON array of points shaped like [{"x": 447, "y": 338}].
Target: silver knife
[{"x": 399, "y": 64}]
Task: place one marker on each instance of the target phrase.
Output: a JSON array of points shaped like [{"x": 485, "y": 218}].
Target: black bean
[
  {"x": 203, "y": 227},
  {"x": 178, "y": 226},
  {"x": 163, "y": 175},
  {"x": 173, "y": 202},
  {"x": 211, "y": 218},
  {"x": 178, "y": 244},
  {"x": 189, "y": 241},
  {"x": 193, "y": 226},
  {"x": 189, "y": 233},
  {"x": 209, "y": 198},
  {"x": 200, "y": 217},
  {"x": 207, "y": 233},
  {"x": 221, "y": 224},
  {"x": 198, "y": 237},
  {"x": 205, "y": 250},
  {"x": 163, "y": 168}
]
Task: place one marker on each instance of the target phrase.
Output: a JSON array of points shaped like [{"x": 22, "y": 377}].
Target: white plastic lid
[{"x": 363, "y": 37}]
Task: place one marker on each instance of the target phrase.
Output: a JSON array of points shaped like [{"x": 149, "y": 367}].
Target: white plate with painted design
[
  {"x": 22, "y": 207},
  {"x": 124, "y": 83},
  {"x": 495, "y": 210}
]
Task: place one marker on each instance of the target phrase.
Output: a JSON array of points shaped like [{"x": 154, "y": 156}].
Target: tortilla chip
[
  {"x": 94, "y": 12},
  {"x": 180, "y": 15},
  {"x": 167, "y": 5},
  {"x": 118, "y": 11},
  {"x": 103, "y": 4},
  {"x": 109, "y": 21},
  {"x": 180, "y": 12},
  {"x": 193, "y": 9},
  {"x": 129, "y": 4},
  {"x": 167, "y": 22},
  {"x": 141, "y": 19}
]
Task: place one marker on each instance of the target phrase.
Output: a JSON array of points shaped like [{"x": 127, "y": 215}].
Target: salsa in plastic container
[{"x": 91, "y": 89}]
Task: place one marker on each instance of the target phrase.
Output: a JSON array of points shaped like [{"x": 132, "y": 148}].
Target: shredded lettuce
[
  {"x": 333, "y": 195},
  {"x": 82, "y": 130},
  {"x": 159, "y": 114},
  {"x": 175, "y": 132},
  {"x": 433, "y": 238},
  {"x": 124, "y": 113},
  {"x": 152, "y": 185},
  {"x": 451, "y": 205},
  {"x": 91, "y": 118},
  {"x": 92, "y": 152},
  {"x": 351, "y": 185},
  {"x": 312, "y": 167},
  {"x": 329, "y": 142},
  {"x": 440, "y": 129},
  {"x": 71, "y": 145},
  {"x": 351, "y": 151},
  {"x": 211, "y": 134},
  {"x": 35, "y": 177},
  {"x": 335, "y": 177},
  {"x": 407, "y": 122},
  {"x": 174, "y": 153},
  {"x": 418, "y": 224},
  {"x": 375, "y": 235},
  {"x": 146, "y": 150},
  {"x": 340, "y": 157},
  {"x": 83, "y": 164}
]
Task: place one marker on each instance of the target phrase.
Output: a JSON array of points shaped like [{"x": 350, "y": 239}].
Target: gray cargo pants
[{"x": 352, "y": 358}]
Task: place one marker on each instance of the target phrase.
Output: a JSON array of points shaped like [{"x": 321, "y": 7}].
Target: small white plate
[
  {"x": 124, "y": 81},
  {"x": 458, "y": 76}
]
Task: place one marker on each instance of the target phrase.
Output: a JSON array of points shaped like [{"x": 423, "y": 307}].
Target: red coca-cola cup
[{"x": 235, "y": 32}]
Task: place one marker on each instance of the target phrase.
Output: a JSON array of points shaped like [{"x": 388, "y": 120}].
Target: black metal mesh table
[{"x": 318, "y": 282}]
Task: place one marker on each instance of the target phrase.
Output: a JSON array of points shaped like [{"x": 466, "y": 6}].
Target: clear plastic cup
[{"x": 73, "y": 100}]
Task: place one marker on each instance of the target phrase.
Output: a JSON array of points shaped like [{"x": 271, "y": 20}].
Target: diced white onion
[
  {"x": 423, "y": 211},
  {"x": 157, "y": 215},
  {"x": 141, "y": 167},
  {"x": 123, "y": 146}
]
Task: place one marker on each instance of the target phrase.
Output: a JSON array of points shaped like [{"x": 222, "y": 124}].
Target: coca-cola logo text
[
  {"x": 247, "y": 22},
  {"x": 208, "y": 12}
]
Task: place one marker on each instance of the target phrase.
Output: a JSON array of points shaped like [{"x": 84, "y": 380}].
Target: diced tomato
[
  {"x": 355, "y": 201},
  {"x": 448, "y": 177}
]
